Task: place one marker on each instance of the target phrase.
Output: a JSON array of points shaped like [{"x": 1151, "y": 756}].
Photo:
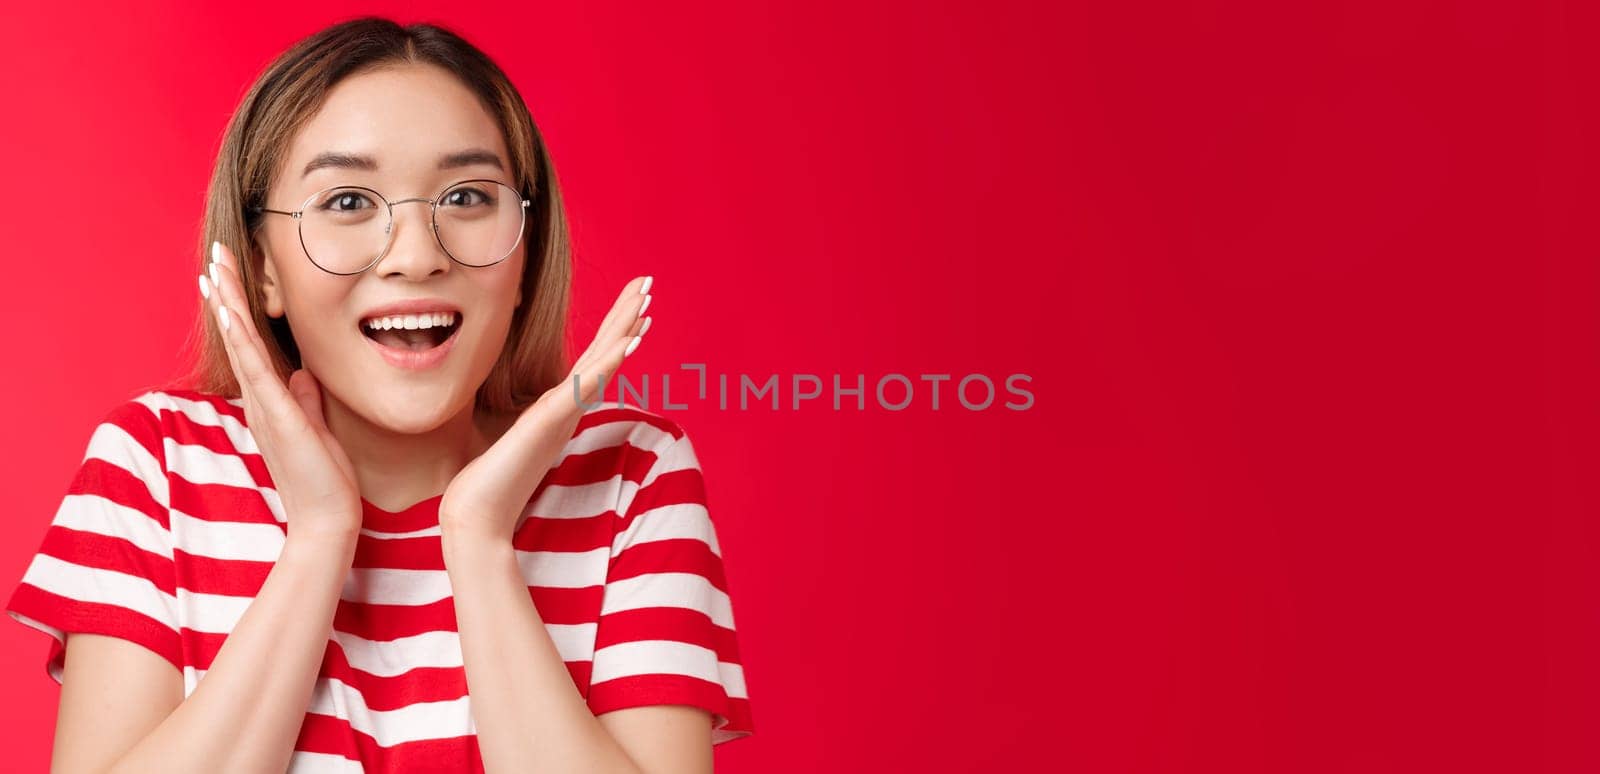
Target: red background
[{"x": 1307, "y": 296}]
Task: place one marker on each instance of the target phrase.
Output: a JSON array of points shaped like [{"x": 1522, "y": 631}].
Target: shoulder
[
  {"x": 163, "y": 404},
  {"x": 153, "y": 416},
  {"x": 632, "y": 430}
]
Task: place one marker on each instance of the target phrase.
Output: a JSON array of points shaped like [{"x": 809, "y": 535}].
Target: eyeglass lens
[{"x": 346, "y": 229}]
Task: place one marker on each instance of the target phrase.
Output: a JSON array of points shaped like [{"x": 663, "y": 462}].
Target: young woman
[{"x": 385, "y": 526}]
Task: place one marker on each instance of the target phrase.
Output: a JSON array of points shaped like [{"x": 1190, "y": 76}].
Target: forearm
[
  {"x": 529, "y": 714},
  {"x": 246, "y": 713}
]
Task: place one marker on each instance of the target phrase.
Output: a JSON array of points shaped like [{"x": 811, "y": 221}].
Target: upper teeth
[{"x": 410, "y": 321}]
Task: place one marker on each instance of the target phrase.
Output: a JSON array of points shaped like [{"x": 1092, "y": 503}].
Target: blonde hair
[{"x": 284, "y": 97}]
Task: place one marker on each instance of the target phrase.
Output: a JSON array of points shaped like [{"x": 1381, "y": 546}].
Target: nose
[{"x": 414, "y": 251}]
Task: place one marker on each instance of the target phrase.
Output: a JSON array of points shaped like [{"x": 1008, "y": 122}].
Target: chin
[
  {"x": 411, "y": 409},
  {"x": 401, "y": 398}
]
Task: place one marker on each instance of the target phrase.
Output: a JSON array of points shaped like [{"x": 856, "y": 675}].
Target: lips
[
  {"x": 412, "y": 333},
  {"x": 411, "y": 306},
  {"x": 418, "y": 354}
]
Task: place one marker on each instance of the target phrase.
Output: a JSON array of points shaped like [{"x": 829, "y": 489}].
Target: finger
[
  {"x": 247, "y": 393},
  {"x": 229, "y": 282},
  {"x": 624, "y": 314},
  {"x": 606, "y": 363},
  {"x": 638, "y": 286},
  {"x": 640, "y": 327},
  {"x": 252, "y": 368},
  {"x": 592, "y": 359},
  {"x": 211, "y": 303},
  {"x": 244, "y": 373},
  {"x": 231, "y": 293},
  {"x": 609, "y": 360}
]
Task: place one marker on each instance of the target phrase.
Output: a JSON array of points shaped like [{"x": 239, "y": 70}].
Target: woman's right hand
[{"x": 313, "y": 476}]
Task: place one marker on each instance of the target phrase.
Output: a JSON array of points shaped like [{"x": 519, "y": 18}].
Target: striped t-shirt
[{"x": 171, "y": 523}]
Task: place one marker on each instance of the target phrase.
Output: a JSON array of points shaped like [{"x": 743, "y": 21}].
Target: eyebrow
[{"x": 338, "y": 160}]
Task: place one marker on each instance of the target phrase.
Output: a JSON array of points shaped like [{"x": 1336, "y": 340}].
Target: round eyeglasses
[{"x": 347, "y": 229}]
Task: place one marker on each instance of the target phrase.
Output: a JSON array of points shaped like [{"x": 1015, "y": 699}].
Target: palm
[
  {"x": 492, "y": 490},
  {"x": 285, "y": 419}
]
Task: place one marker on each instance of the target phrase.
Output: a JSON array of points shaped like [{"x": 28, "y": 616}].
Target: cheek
[
  {"x": 314, "y": 307},
  {"x": 501, "y": 290}
]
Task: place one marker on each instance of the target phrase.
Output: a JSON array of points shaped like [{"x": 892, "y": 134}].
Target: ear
[{"x": 271, "y": 287}]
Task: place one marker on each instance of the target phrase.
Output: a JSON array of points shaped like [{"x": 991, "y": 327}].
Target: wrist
[
  {"x": 320, "y": 545},
  {"x": 319, "y": 550},
  {"x": 464, "y": 545}
]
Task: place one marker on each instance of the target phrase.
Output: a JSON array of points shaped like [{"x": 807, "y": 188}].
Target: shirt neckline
[{"x": 419, "y": 515}]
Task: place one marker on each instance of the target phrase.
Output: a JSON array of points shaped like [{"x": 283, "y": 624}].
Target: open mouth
[{"x": 412, "y": 332}]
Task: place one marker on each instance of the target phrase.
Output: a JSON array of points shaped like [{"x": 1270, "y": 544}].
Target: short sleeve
[
  {"x": 106, "y": 562},
  {"x": 666, "y": 632}
]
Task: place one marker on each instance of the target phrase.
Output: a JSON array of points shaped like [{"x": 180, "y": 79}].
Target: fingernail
[
  {"x": 205, "y": 288},
  {"x": 645, "y": 306},
  {"x": 222, "y": 314},
  {"x": 631, "y": 346},
  {"x": 645, "y": 288},
  {"x": 216, "y": 251},
  {"x": 212, "y": 267},
  {"x": 645, "y": 327}
]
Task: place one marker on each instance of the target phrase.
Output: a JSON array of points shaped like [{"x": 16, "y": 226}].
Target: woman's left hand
[{"x": 489, "y": 494}]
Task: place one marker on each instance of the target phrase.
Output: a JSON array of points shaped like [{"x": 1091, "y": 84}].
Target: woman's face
[{"x": 405, "y": 120}]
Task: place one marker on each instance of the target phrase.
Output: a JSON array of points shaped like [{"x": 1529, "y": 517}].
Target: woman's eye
[
  {"x": 465, "y": 197},
  {"x": 346, "y": 201}
]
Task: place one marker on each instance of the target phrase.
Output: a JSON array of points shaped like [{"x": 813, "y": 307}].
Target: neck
[{"x": 396, "y": 469}]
